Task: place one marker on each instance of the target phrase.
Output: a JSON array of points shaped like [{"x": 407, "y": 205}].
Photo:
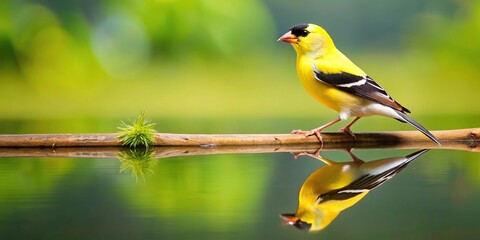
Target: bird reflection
[{"x": 339, "y": 185}]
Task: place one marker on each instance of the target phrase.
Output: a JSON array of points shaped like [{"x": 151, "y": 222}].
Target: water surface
[{"x": 234, "y": 196}]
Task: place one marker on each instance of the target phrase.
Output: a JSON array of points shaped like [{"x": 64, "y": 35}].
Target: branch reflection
[{"x": 174, "y": 151}]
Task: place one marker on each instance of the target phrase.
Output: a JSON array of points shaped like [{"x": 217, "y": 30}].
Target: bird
[
  {"x": 336, "y": 82},
  {"x": 339, "y": 185}
]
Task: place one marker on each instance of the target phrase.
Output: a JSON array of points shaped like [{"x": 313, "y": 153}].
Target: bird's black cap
[
  {"x": 299, "y": 224},
  {"x": 299, "y": 30},
  {"x": 302, "y": 225}
]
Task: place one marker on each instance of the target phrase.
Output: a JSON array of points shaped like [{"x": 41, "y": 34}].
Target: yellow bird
[
  {"x": 336, "y": 82},
  {"x": 339, "y": 185}
]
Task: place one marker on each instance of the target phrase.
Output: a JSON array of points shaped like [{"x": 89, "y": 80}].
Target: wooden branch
[
  {"x": 169, "y": 145},
  {"x": 328, "y": 139},
  {"x": 175, "y": 151},
  {"x": 210, "y": 140}
]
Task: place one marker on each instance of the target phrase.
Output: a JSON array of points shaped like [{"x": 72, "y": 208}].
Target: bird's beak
[
  {"x": 289, "y": 218},
  {"x": 288, "y": 38}
]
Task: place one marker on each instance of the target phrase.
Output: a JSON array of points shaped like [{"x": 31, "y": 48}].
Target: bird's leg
[
  {"x": 355, "y": 158},
  {"x": 315, "y": 154},
  {"x": 347, "y": 130},
  {"x": 316, "y": 131}
]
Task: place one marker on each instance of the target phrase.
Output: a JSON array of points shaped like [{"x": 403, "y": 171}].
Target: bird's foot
[
  {"x": 312, "y": 132},
  {"x": 315, "y": 154},
  {"x": 349, "y": 132}
]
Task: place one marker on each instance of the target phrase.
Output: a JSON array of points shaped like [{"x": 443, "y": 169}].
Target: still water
[{"x": 134, "y": 195}]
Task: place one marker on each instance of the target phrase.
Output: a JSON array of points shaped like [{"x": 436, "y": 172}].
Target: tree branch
[
  {"x": 171, "y": 145},
  {"x": 469, "y": 137}
]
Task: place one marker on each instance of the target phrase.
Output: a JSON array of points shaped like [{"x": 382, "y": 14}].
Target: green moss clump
[{"x": 138, "y": 133}]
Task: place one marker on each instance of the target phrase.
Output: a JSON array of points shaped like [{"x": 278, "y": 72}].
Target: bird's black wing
[
  {"x": 361, "y": 185},
  {"x": 362, "y": 86},
  {"x": 367, "y": 182}
]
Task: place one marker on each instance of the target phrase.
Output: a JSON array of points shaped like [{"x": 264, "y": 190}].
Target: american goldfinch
[
  {"x": 339, "y": 185},
  {"x": 336, "y": 82}
]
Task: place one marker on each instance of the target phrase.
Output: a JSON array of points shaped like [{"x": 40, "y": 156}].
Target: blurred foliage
[
  {"x": 449, "y": 39},
  {"x": 215, "y": 59},
  {"x": 357, "y": 25}
]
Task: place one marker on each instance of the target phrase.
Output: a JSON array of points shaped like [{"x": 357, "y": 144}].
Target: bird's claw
[
  {"x": 315, "y": 154},
  {"x": 349, "y": 132},
  {"x": 309, "y": 133}
]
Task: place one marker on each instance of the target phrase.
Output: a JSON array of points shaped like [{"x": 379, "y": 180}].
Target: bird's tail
[
  {"x": 406, "y": 118},
  {"x": 416, "y": 154}
]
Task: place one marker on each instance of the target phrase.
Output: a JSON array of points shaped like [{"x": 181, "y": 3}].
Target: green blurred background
[
  {"x": 74, "y": 61},
  {"x": 205, "y": 66}
]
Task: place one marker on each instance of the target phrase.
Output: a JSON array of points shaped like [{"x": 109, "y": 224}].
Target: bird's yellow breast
[{"x": 325, "y": 94}]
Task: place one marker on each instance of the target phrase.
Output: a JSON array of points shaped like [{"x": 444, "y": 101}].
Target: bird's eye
[
  {"x": 300, "y": 32},
  {"x": 304, "y": 33}
]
